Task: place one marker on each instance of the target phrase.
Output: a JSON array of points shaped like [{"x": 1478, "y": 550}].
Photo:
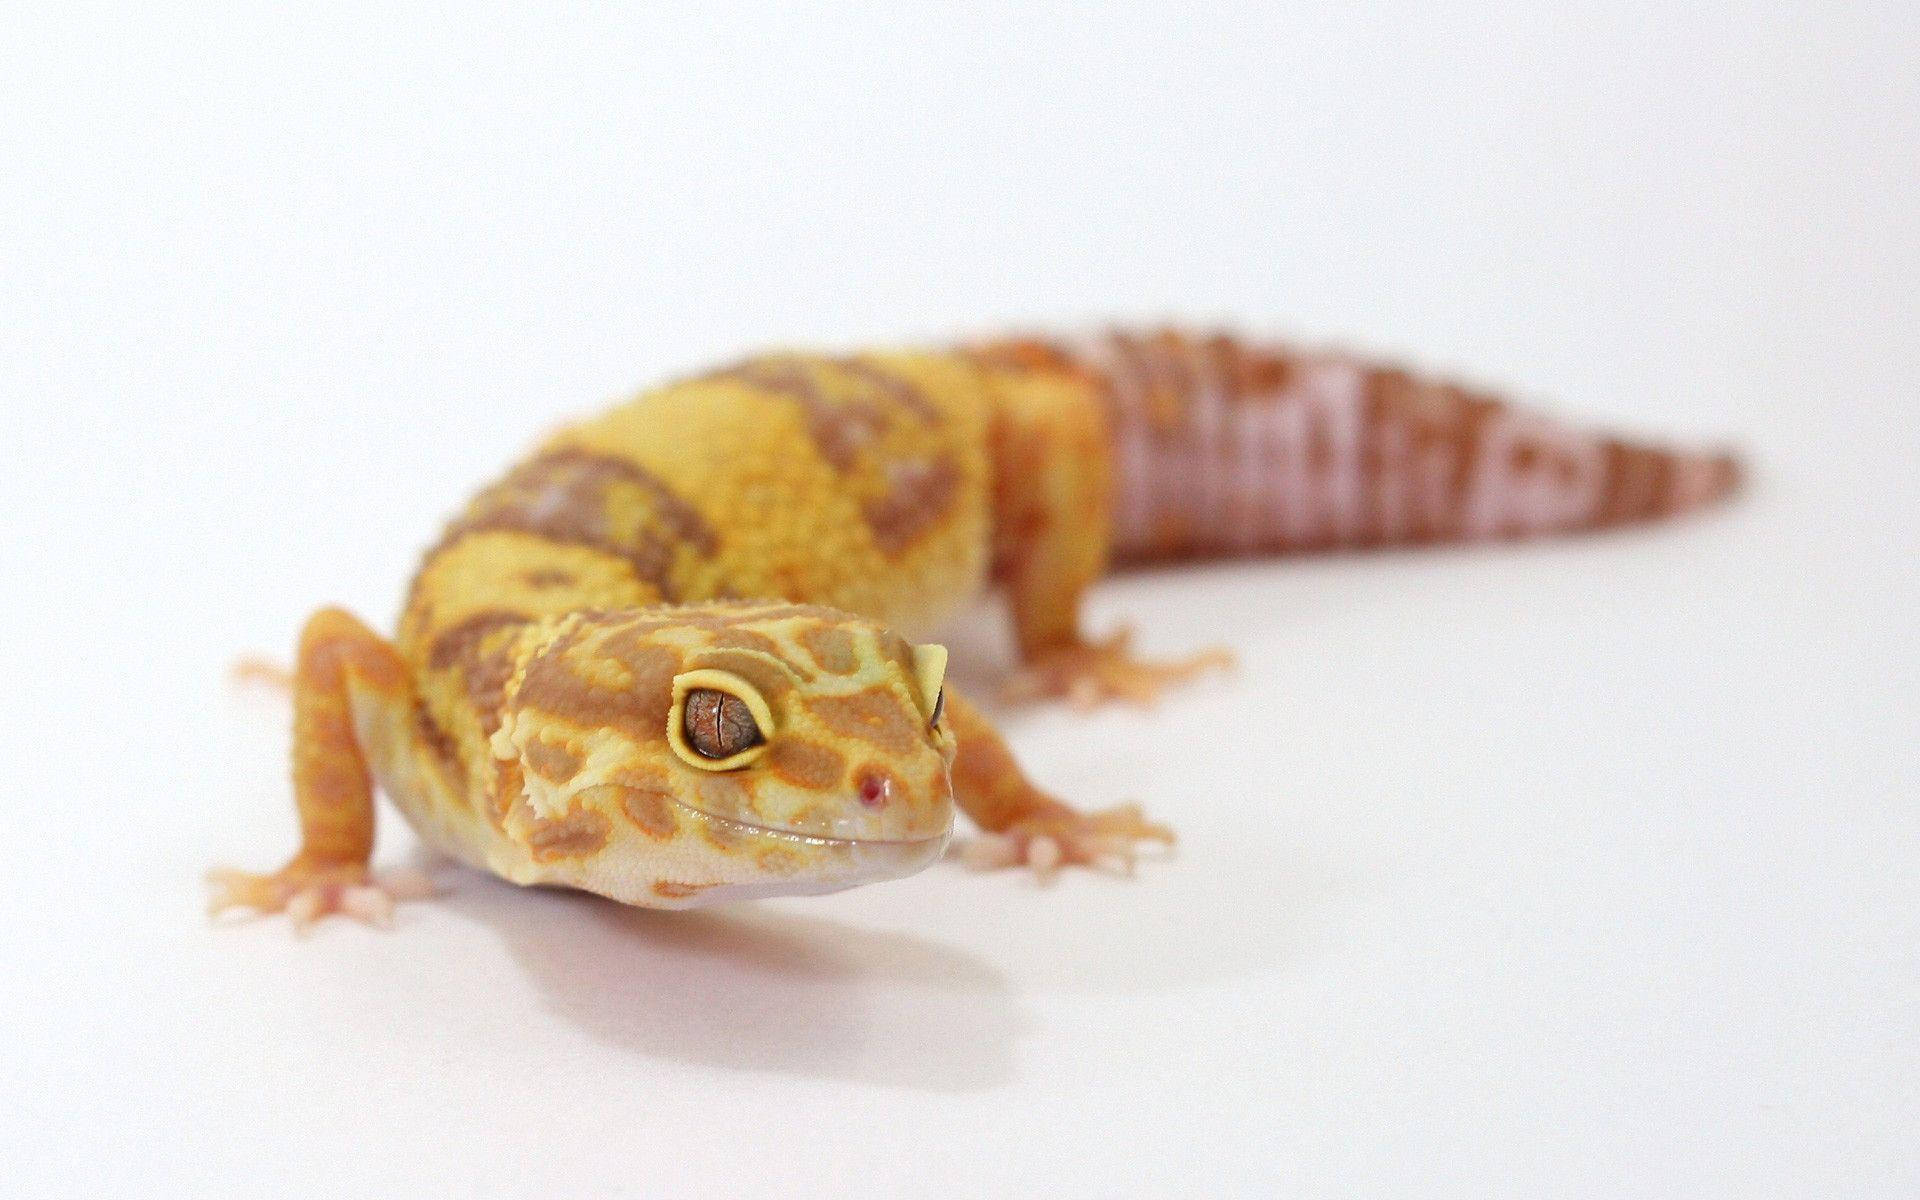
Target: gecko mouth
[{"x": 907, "y": 846}]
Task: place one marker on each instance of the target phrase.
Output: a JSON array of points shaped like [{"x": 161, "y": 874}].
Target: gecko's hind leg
[
  {"x": 1087, "y": 674},
  {"x": 1053, "y": 508},
  {"x": 339, "y": 658},
  {"x": 1022, "y": 825}
]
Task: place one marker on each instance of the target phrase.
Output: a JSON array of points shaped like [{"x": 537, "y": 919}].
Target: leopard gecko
[{"x": 669, "y": 658}]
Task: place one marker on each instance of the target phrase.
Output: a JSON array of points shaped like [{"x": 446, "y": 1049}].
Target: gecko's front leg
[
  {"x": 339, "y": 658},
  {"x": 1023, "y": 825}
]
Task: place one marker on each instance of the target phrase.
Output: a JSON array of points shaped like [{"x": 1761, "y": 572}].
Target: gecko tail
[{"x": 1226, "y": 448}]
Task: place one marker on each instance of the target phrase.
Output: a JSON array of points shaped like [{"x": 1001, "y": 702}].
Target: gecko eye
[
  {"x": 718, "y": 721},
  {"x": 719, "y": 725}
]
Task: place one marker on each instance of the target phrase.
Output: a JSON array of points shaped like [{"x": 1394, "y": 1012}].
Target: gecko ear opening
[
  {"x": 930, "y": 671},
  {"x": 719, "y": 721}
]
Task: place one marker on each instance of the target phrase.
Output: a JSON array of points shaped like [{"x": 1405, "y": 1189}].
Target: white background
[{"x": 1575, "y": 869}]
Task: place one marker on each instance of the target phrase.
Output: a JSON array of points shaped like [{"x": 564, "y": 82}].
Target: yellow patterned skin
[
  {"x": 783, "y": 522},
  {"x": 858, "y": 484},
  {"x": 738, "y": 556},
  {"x": 580, "y": 782}
]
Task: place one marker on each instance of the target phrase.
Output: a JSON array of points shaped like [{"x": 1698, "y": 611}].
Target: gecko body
[{"x": 668, "y": 657}]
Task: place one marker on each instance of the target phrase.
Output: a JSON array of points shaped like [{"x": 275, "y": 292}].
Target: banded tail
[{"x": 1224, "y": 447}]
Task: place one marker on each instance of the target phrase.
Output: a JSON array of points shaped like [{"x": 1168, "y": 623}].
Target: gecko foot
[
  {"x": 308, "y": 891},
  {"x": 254, "y": 671},
  {"x": 1108, "y": 840},
  {"x": 1087, "y": 674}
]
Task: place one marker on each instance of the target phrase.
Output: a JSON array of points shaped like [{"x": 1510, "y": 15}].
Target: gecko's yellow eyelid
[
  {"x": 727, "y": 683},
  {"x": 930, "y": 671}
]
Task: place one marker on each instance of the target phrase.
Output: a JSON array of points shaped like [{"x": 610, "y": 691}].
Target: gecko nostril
[{"x": 875, "y": 789}]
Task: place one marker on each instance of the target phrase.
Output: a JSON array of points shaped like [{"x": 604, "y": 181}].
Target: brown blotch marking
[
  {"x": 551, "y": 760},
  {"x": 832, "y": 647},
  {"x": 440, "y": 746},
  {"x": 899, "y": 389},
  {"x": 456, "y": 645},
  {"x": 736, "y": 638},
  {"x": 919, "y": 493},
  {"x": 571, "y": 496},
  {"x": 726, "y": 796},
  {"x": 668, "y": 889},
  {"x": 654, "y": 812},
  {"x": 768, "y": 678},
  {"x": 484, "y": 673},
  {"x": 1634, "y": 484},
  {"x": 839, "y": 428},
  {"x": 805, "y": 764},
  {"x": 875, "y": 716},
  {"x": 509, "y": 788},
  {"x": 578, "y": 833},
  {"x": 549, "y": 578},
  {"x": 644, "y": 799},
  {"x": 637, "y": 708}
]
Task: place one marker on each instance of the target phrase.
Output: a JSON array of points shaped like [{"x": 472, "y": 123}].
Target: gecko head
[{"x": 696, "y": 754}]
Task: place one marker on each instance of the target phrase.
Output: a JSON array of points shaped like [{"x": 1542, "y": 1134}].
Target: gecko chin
[{"x": 677, "y": 855}]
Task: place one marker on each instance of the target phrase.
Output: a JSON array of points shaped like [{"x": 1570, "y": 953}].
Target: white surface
[{"x": 1582, "y": 869}]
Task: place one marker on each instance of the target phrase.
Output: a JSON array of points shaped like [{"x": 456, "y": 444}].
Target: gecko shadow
[{"x": 755, "y": 988}]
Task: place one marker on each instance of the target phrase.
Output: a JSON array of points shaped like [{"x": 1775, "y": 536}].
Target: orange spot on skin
[
  {"x": 831, "y": 647},
  {"x": 579, "y": 833},
  {"x": 726, "y": 796},
  {"x": 805, "y": 764},
  {"x": 667, "y": 889},
  {"x": 653, "y": 812},
  {"x": 876, "y": 716},
  {"x": 722, "y": 836},
  {"x": 509, "y": 786},
  {"x": 777, "y": 860},
  {"x": 641, "y": 796},
  {"x": 550, "y": 760}
]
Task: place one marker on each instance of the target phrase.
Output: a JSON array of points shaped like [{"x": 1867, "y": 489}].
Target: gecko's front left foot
[
  {"x": 1107, "y": 840},
  {"x": 307, "y": 891},
  {"x": 1087, "y": 674}
]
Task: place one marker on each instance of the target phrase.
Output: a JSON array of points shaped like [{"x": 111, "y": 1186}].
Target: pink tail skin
[{"x": 1226, "y": 448}]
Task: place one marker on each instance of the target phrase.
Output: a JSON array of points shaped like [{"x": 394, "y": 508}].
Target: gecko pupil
[{"x": 718, "y": 724}]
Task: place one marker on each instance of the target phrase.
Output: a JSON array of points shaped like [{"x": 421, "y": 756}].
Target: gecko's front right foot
[
  {"x": 307, "y": 891},
  {"x": 1107, "y": 840}
]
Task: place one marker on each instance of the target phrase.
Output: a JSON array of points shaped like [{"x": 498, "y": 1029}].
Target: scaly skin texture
[{"x": 773, "y": 532}]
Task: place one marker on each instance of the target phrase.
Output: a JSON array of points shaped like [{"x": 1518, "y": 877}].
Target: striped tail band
[{"x": 1223, "y": 447}]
